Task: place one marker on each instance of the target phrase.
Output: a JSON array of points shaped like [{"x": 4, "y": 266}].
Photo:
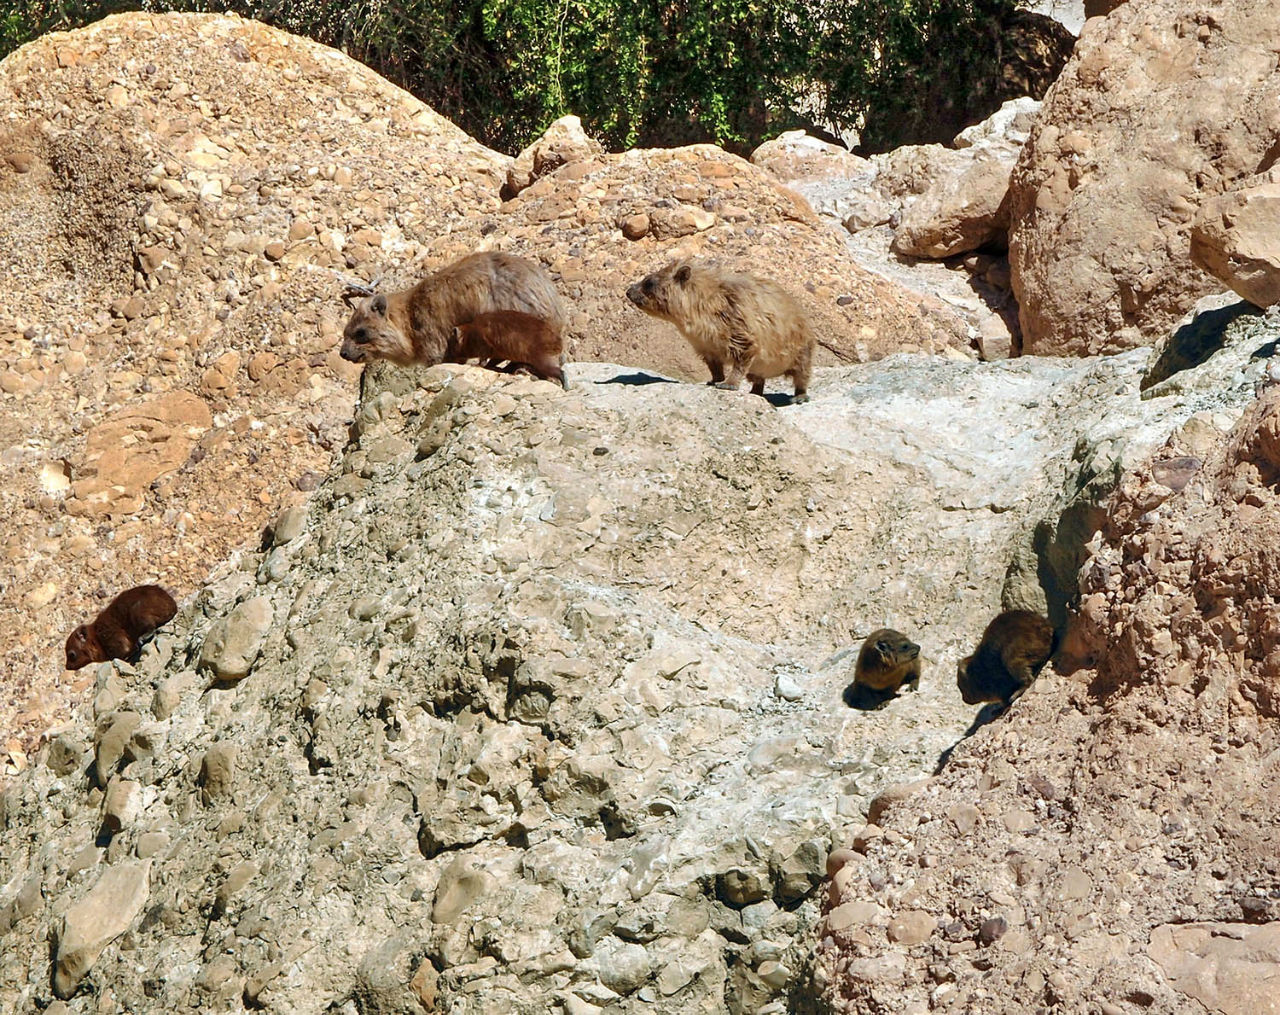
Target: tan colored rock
[
  {"x": 233, "y": 643},
  {"x": 911, "y": 928},
  {"x": 562, "y": 143},
  {"x": 97, "y": 919},
  {"x": 1236, "y": 238},
  {"x": 1161, "y": 107},
  {"x": 127, "y": 452},
  {"x": 962, "y": 212},
  {"x": 1232, "y": 968}
]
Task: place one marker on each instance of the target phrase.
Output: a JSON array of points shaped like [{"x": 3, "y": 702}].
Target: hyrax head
[
  {"x": 80, "y": 648},
  {"x": 894, "y": 649},
  {"x": 662, "y": 293},
  {"x": 370, "y": 334}
]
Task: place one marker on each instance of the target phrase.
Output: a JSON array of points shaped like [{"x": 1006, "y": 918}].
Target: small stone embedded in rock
[
  {"x": 97, "y": 919},
  {"x": 992, "y": 930},
  {"x": 232, "y": 645},
  {"x": 912, "y": 927},
  {"x": 121, "y": 805},
  {"x": 217, "y": 772}
]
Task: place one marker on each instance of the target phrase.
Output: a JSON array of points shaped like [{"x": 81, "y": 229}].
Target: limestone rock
[
  {"x": 1229, "y": 968},
  {"x": 1161, "y": 108},
  {"x": 126, "y": 453},
  {"x": 964, "y": 211},
  {"x": 232, "y": 645},
  {"x": 1236, "y": 238},
  {"x": 97, "y": 919},
  {"x": 562, "y": 143}
]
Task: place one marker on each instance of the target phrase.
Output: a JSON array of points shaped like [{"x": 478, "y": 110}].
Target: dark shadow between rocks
[
  {"x": 989, "y": 712},
  {"x": 1195, "y": 342}
]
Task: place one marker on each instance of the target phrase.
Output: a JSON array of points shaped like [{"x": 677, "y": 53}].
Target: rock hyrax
[
  {"x": 522, "y": 339},
  {"x": 741, "y": 326},
  {"x": 417, "y": 325},
  {"x": 1014, "y": 648},
  {"x": 888, "y": 661},
  {"x": 116, "y": 631}
]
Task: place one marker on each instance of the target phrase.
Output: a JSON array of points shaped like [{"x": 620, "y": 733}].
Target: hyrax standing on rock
[
  {"x": 1014, "y": 648},
  {"x": 741, "y": 326},
  {"x": 887, "y": 662},
  {"x": 116, "y": 631},
  {"x": 522, "y": 339},
  {"x": 419, "y": 325}
]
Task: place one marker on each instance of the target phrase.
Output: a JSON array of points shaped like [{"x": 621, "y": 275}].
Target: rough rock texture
[
  {"x": 923, "y": 201},
  {"x": 1236, "y": 238},
  {"x": 1164, "y": 104},
  {"x": 548, "y": 705},
  {"x": 181, "y": 198},
  {"x": 1110, "y": 844}
]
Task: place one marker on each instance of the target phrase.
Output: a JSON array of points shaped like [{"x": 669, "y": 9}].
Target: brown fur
[
  {"x": 117, "y": 630},
  {"x": 741, "y": 325},
  {"x": 888, "y": 661},
  {"x": 417, "y": 325},
  {"x": 523, "y": 339},
  {"x": 1014, "y": 648}
]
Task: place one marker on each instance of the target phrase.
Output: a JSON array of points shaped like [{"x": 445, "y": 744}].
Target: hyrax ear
[
  {"x": 378, "y": 305},
  {"x": 682, "y": 274}
]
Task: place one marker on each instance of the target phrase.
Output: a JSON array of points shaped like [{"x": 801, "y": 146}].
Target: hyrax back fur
[
  {"x": 116, "y": 631},
  {"x": 417, "y": 325},
  {"x": 523, "y": 339},
  {"x": 741, "y": 325},
  {"x": 888, "y": 661},
  {"x": 1014, "y": 648}
]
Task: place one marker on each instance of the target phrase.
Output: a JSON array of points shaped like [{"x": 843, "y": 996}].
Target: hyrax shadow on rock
[
  {"x": 117, "y": 630},
  {"x": 1014, "y": 648},
  {"x": 523, "y": 339},
  {"x": 417, "y": 326},
  {"x": 741, "y": 325},
  {"x": 887, "y": 662}
]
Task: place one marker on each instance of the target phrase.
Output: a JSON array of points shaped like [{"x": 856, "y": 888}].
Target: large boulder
[
  {"x": 1164, "y": 104},
  {"x": 1236, "y": 238}
]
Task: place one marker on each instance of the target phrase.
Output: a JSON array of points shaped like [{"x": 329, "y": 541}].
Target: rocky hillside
[
  {"x": 1111, "y": 844},
  {"x": 180, "y": 200},
  {"x": 537, "y": 701}
]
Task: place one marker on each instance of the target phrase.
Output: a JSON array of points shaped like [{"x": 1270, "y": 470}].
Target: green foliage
[{"x": 649, "y": 72}]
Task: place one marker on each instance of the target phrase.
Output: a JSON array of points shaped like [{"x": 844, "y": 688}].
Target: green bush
[{"x": 649, "y": 73}]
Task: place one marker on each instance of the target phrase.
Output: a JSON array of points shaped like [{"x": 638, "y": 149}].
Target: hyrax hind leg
[
  {"x": 549, "y": 368},
  {"x": 800, "y": 370},
  {"x": 717, "y": 369},
  {"x": 757, "y": 385}
]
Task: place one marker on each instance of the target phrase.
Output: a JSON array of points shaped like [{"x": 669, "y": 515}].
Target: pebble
[
  {"x": 785, "y": 687},
  {"x": 232, "y": 645},
  {"x": 911, "y": 927}
]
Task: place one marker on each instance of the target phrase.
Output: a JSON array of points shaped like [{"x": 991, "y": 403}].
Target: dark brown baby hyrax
[
  {"x": 117, "y": 630},
  {"x": 888, "y": 661},
  {"x": 417, "y": 325},
  {"x": 741, "y": 325},
  {"x": 1014, "y": 648},
  {"x": 523, "y": 339}
]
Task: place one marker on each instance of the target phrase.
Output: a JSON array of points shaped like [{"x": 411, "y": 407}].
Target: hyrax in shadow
[
  {"x": 117, "y": 630},
  {"x": 1014, "y": 648},
  {"x": 888, "y": 661},
  {"x": 419, "y": 325},
  {"x": 741, "y": 326}
]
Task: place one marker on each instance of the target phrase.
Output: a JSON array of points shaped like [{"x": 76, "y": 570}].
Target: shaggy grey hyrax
[
  {"x": 888, "y": 661},
  {"x": 1014, "y": 648},
  {"x": 116, "y": 631},
  {"x": 417, "y": 325},
  {"x": 741, "y": 326},
  {"x": 522, "y": 339}
]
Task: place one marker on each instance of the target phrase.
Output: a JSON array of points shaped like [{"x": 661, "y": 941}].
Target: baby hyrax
[
  {"x": 888, "y": 661},
  {"x": 1014, "y": 648},
  {"x": 116, "y": 632},
  {"x": 741, "y": 325},
  {"x": 522, "y": 339},
  {"x": 417, "y": 325}
]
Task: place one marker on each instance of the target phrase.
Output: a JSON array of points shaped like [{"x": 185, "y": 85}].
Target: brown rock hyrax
[
  {"x": 1014, "y": 648},
  {"x": 741, "y": 326},
  {"x": 887, "y": 662},
  {"x": 417, "y": 325},
  {"x": 522, "y": 339},
  {"x": 117, "y": 630}
]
